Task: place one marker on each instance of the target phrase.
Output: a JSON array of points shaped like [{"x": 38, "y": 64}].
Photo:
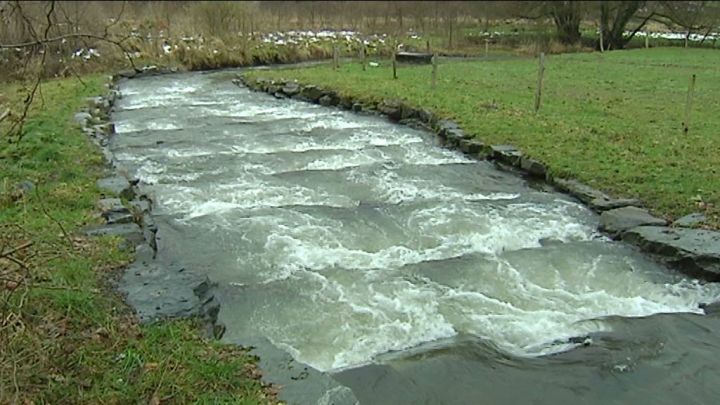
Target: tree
[
  {"x": 614, "y": 18},
  {"x": 567, "y": 16},
  {"x": 692, "y": 16}
]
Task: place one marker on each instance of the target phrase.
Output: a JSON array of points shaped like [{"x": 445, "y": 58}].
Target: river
[{"x": 409, "y": 272}]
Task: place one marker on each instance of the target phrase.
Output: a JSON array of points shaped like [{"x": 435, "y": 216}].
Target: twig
[
  {"x": 47, "y": 214},
  {"x": 15, "y": 249}
]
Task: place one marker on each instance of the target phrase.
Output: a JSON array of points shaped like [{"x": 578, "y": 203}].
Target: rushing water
[{"x": 413, "y": 273}]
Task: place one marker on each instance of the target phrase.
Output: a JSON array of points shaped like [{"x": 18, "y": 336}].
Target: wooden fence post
[
  {"x": 688, "y": 104},
  {"x": 487, "y": 47},
  {"x": 602, "y": 45},
  {"x": 335, "y": 57},
  {"x": 394, "y": 64},
  {"x": 541, "y": 71},
  {"x": 434, "y": 70},
  {"x": 363, "y": 56},
  {"x": 647, "y": 40}
]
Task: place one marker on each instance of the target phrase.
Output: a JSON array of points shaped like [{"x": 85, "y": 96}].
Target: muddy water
[{"x": 410, "y": 272}]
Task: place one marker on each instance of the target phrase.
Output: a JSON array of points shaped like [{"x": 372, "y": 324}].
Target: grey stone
[
  {"x": 391, "y": 108},
  {"x": 408, "y": 112},
  {"x": 26, "y": 186},
  {"x": 312, "y": 93},
  {"x": 426, "y": 116},
  {"x": 533, "y": 167},
  {"x": 690, "y": 221},
  {"x": 472, "y": 146},
  {"x": 695, "y": 252},
  {"x": 357, "y": 107},
  {"x": 454, "y": 136},
  {"x": 127, "y": 74},
  {"x": 443, "y": 126},
  {"x": 345, "y": 103},
  {"x": 619, "y": 220},
  {"x": 140, "y": 206},
  {"x": 110, "y": 204},
  {"x": 82, "y": 117},
  {"x": 117, "y": 185},
  {"x": 580, "y": 191},
  {"x": 507, "y": 154},
  {"x": 415, "y": 123},
  {"x": 604, "y": 204},
  {"x": 130, "y": 232},
  {"x": 291, "y": 89},
  {"x": 159, "y": 290},
  {"x": 549, "y": 242},
  {"x": 326, "y": 100},
  {"x": 118, "y": 217}
]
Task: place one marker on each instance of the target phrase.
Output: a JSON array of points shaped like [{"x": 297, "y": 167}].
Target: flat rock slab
[
  {"x": 111, "y": 204},
  {"x": 130, "y": 232},
  {"x": 689, "y": 221},
  {"x": 533, "y": 167},
  {"x": 604, "y": 204},
  {"x": 118, "y": 217},
  {"x": 619, "y": 220},
  {"x": 507, "y": 154},
  {"x": 695, "y": 252},
  {"x": 157, "y": 290},
  {"x": 117, "y": 185},
  {"x": 580, "y": 191},
  {"x": 301, "y": 384}
]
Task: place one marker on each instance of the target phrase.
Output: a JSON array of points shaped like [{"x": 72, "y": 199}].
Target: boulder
[
  {"x": 690, "y": 221},
  {"x": 507, "y": 154},
  {"x": 695, "y": 252},
  {"x": 117, "y": 185},
  {"x": 533, "y": 167},
  {"x": 357, "y": 107},
  {"x": 619, "y": 220}
]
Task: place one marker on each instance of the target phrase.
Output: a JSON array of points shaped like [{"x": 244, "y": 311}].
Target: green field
[
  {"x": 65, "y": 335},
  {"x": 612, "y": 120}
]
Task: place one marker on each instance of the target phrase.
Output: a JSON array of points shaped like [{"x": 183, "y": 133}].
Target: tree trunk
[
  {"x": 566, "y": 16},
  {"x": 613, "y": 22}
]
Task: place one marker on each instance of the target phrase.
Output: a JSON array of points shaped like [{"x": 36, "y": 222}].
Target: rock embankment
[
  {"x": 154, "y": 288},
  {"x": 692, "y": 251}
]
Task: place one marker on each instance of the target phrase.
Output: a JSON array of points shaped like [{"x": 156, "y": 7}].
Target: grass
[
  {"x": 612, "y": 120},
  {"x": 66, "y": 336}
]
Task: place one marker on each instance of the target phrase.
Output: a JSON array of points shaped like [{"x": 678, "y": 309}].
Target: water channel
[{"x": 410, "y": 272}]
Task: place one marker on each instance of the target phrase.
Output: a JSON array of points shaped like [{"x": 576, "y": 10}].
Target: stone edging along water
[
  {"x": 695, "y": 252},
  {"x": 160, "y": 289}
]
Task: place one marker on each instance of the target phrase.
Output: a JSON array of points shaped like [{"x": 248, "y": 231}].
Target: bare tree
[{"x": 39, "y": 28}]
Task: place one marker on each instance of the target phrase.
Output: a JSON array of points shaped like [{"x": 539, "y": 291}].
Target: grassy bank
[
  {"x": 612, "y": 120},
  {"x": 66, "y": 337}
]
